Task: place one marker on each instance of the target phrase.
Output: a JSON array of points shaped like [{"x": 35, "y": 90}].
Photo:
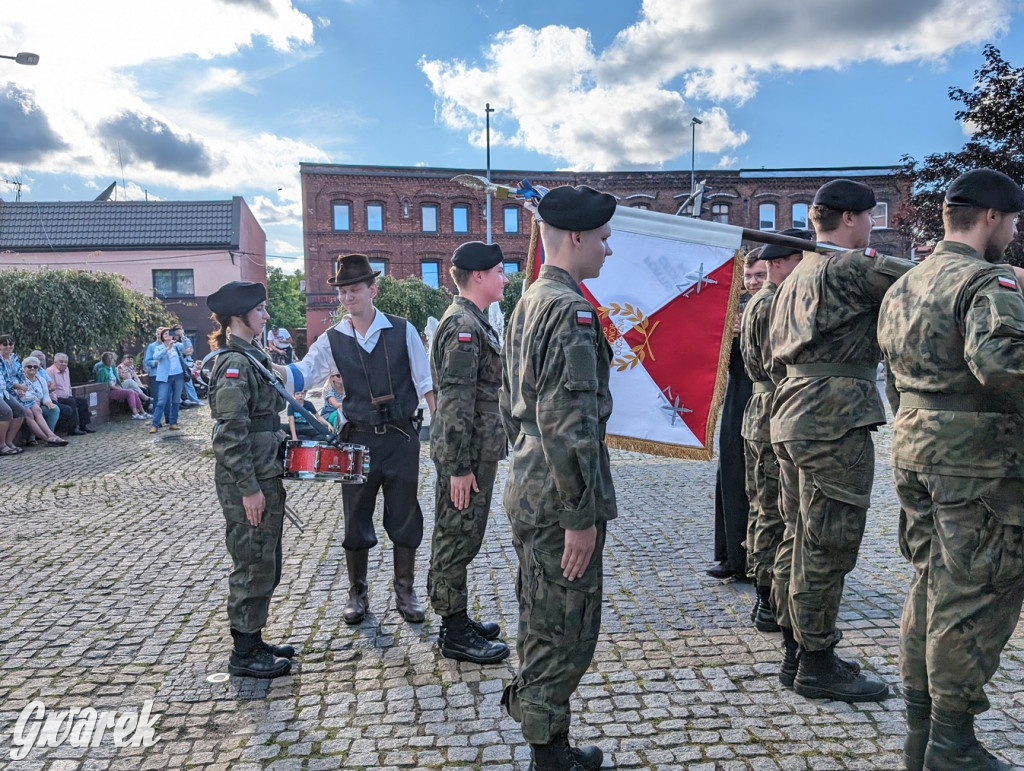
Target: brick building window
[
  {"x": 380, "y": 265},
  {"x": 511, "y": 267},
  {"x": 880, "y": 214},
  {"x": 511, "y": 219},
  {"x": 173, "y": 283},
  {"x": 342, "y": 215},
  {"x": 430, "y": 272},
  {"x": 641, "y": 206},
  {"x": 720, "y": 213},
  {"x": 375, "y": 217},
  {"x": 766, "y": 216},
  {"x": 460, "y": 218},
  {"x": 428, "y": 218},
  {"x": 800, "y": 216}
]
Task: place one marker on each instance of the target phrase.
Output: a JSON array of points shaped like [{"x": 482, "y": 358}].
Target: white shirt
[
  {"x": 318, "y": 363},
  {"x": 283, "y": 336}
]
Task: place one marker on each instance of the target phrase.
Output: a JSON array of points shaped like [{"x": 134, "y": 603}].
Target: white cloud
[{"x": 630, "y": 104}]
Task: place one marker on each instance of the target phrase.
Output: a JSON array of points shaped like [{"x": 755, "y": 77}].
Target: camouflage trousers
[
  {"x": 559, "y": 621},
  {"x": 458, "y": 535},
  {"x": 255, "y": 554},
  {"x": 963, "y": 536},
  {"x": 767, "y": 527},
  {"x": 789, "y": 507},
  {"x": 833, "y": 490}
]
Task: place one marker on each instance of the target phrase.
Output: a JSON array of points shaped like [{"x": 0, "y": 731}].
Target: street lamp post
[
  {"x": 694, "y": 122},
  {"x": 487, "y": 112},
  {"x": 23, "y": 58}
]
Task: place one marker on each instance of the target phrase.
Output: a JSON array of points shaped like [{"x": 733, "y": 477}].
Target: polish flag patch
[
  {"x": 585, "y": 318},
  {"x": 465, "y": 337},
  {"x": 1007, "y": 282},
  {"x": 870, "y": 252},
  {"x": 231, "y": 373}
]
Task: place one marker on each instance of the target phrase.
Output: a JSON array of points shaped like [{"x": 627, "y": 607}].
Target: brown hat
[{"x": 351, "y": 269}]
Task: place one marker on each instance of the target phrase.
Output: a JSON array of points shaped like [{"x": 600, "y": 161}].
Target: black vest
[{"x": 366, "y": 374}]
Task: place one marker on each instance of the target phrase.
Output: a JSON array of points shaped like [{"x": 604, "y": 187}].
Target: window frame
[
  {"x": 720, "y": 216},
  {"x": 379, "y": 205},
  {"x": 807, "y": 215},
  {"x": 436, "y": 265},
  {"x": 505, "y": 218},
  {"x": 884, "y": 205},
  {"x": 460, "y": 207},
  {"x": 424, "y": 208},
  {"x": 335, "y": 205},
  {"x": 174, "y": 282},
  {"x": 775, "y": 217}
]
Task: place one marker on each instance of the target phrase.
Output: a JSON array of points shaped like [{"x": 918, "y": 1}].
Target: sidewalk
[{"x": 113, "y": 550}]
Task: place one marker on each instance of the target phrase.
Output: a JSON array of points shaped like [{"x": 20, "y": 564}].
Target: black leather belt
[
  {"x": 858, "y": 371},
  {"x": 960, "y": 402}
]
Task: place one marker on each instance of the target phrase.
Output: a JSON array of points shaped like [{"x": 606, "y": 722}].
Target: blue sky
[{"x": 205, "y": 99}]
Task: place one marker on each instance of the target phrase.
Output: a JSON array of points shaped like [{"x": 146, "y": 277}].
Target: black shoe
[
  {"x": 721, "y": 571},
  {"x": 790, "y": 658},
  {"x": 250, "y": 659},
  {"x": 557, "y": 755},
  {"x": 77, "y": 432},
  {"x": 486, "y": 629},
  {"x": 460, "y": 641},
  {"x": 281, "y": 651},
  {"x": 919, "y": 723},
  {"x": 820, "y": 676},
  {"x": 88, "y": 430},
  {"x": 954, "y": 747},
  {"x": 764, "y": 619}
]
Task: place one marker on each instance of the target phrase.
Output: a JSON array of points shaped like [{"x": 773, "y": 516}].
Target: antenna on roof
[
  {"x": 17, "y": 188},
  {"x": 105, "y": 195},
  {"x": 123, "y": 184}
]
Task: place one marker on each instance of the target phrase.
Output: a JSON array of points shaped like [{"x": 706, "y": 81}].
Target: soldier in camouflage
[
  {"x": 762, "y": 466},
  {"x": 246, "y": 439},
  {"x": 952, "y": 332},
  {"x": 466, "y": 443},
  {"x": 822, "y": 332},
  {"x": 555, "y": 404}
]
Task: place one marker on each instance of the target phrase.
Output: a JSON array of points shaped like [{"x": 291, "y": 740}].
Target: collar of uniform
[
  {"x": 551, "y": 273},
  {"x": 954, "y": 247},
  {"x": 249, "y": 347},
  {"x": 471, "y": 307},
  {"x": 380, "y": 321}
]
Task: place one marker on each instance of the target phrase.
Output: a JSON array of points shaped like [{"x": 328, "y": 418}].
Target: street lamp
[
  {"x": 23, "y": 58},
  {"x": 487, "y": 112},
  {"x": 694, "y": 122}
]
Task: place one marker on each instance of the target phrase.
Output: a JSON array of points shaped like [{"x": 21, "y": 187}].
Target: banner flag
[{"x": 667, "y": 300}]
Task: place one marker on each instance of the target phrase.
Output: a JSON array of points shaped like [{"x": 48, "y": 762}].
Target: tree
[
  {"x": 285, "y": 299},
  {"x": 411, "y": 299},
  {"x": 994, "y": 110},
  {"x": 513, "y": 291},
  {"x": 77, "y": 312}
]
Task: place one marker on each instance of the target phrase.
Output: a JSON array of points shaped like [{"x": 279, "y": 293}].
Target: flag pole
[{"x": 764, "y": 237}]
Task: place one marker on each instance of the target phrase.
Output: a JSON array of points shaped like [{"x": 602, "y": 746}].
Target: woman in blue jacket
[{"x": 167, "y": 368}]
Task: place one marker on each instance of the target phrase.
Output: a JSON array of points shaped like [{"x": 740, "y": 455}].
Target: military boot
[
  {"x": 952, "y": 745},
  {"x": 281, "y": 651},
  {"x": 764, "y": 620},
  {"x": 459, "y": 640},
  {"x": 919, "y": 722},
  {"x": 821, "y": 676},
  {"x": 557, "y": 755},
  {"x": 790, "y": 657},
  {"x": 358, "y": 601},
  {"x": 486, "y": 629},
  {"x": 405, "y": 596},
  {"x": 250, "y": 659}
]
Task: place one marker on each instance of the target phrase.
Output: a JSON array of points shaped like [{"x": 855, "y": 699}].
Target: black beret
[
  {"x": 476, "y": 255},
  {"x": 777, "y": 252},
  {"x": 987, "y": 188},
  {"x": 576, "y": 208},
  {"x": 845, "y": 195},
  {"x": 236, "y": 298}
]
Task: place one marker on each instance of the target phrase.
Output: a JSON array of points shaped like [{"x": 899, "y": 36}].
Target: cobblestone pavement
[{"x": 116, "y": 579}]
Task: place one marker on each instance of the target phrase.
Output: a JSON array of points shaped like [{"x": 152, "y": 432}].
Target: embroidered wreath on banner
[{"x": 627, "y": 358}]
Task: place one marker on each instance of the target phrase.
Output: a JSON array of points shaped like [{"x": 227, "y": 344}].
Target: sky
[{"x": 207, "y": 99}]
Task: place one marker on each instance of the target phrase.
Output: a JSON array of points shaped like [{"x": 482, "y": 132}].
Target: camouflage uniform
[
  {"x": 953, "y": 337},
  {"x": 762, "y": 465},
  {"x": 246, "y": 438},
  {"x": 822, "y": 330},
  {"x": 555, "y": 402},
  {"x": 465, "y": 436}
]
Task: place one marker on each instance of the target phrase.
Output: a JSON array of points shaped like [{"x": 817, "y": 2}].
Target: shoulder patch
[
  {"x": 465, "y": 337},
  {"x": 869, "y": 252},
  {"x": 1007, "y": 282},
  {"x": 231, "y": 373},
  {"x": 585, "y": 318}
]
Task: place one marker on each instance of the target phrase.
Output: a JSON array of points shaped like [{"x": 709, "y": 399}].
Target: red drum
[{"x": 322, "y": 461}]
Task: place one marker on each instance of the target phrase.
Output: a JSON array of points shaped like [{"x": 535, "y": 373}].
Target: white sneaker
[{"x": 140, "y": 417}]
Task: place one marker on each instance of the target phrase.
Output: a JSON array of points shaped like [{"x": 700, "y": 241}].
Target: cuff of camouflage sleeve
[
  {"x": 249, "y": 486},
  {"x": 576, "y": 519}
]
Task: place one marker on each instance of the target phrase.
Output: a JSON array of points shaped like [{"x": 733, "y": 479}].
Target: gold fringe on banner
[
  {"x": 534, "y": 235},
  {"x": 706, "y": 452}
]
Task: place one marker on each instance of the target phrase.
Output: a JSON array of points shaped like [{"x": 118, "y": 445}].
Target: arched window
[{"x": 766, "y": 216}]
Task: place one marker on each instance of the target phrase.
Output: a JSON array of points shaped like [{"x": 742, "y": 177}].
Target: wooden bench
[{"x": 98, "y": 397}]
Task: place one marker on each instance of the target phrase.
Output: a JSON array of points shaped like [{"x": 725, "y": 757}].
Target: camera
[{"x": 383, "y": 410}]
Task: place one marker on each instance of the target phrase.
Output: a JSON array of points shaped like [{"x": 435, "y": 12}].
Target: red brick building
[{"x": 409, "y": 220}]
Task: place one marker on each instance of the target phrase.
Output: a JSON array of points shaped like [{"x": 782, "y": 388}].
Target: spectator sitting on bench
[
  {"x": 130, "y": 381},
  {"x": 35, "y": 399},
  {"x": 107, "y": 373},
  {"x": 80, "y": 416},
  {"x": 298, "y": 423}
]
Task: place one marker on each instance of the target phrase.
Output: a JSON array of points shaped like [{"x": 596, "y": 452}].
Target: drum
[{"x": 325, "y": 462}]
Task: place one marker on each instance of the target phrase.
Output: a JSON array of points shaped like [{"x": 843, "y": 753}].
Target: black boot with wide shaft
[
  {"x": 358, "y": 599},
  {"x": 919, "y": 723},
  {"x": 405, "y": 596},
  {"x": 952, "y": 745}
]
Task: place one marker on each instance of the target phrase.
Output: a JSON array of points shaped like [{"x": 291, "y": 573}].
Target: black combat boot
[
  {"x": 358, "y": 601},
  {"x": 250, "y": 659},
  {"x": 764, "y": 620},
  {"x": 405, "y": 596},
  {"x": 281, "y": 651},
  {"x": 919, "y": 722},
  {"x": 486, "y": 629},
  {"x": 821, "y": 676},
  {"x": 953, "y": 746},
  {"x": 459, "y": 640},
  {"x": 557, "y": 755},
  {"x": 790, "y": 657},
  {"x": 755, "y": 607}
]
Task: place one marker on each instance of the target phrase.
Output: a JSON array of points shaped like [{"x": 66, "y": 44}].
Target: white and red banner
[{"x": 666, "y": 300}]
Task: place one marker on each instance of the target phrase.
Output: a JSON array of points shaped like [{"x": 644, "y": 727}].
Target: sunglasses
[{"x": 31, "y": 366}]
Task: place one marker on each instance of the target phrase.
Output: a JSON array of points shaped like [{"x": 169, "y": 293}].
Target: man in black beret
[
  {"x": 555, "y": 404},
  {"x": 824, "y": 359},
  {"x": 951, "y": 332},
  {"x": 466, "y": 443},
  {"x": 384, "y": 366}
]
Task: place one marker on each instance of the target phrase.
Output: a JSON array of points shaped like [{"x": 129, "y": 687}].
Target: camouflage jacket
[
  {"x": 465, "y": 361},
  {"x": 955, "y": 325},
  {"x": 826, "y": 313},
  {"x": 555, "y": 385},
  {"x": 239, "y": 397},
  {"x": 756, "y": 350}
]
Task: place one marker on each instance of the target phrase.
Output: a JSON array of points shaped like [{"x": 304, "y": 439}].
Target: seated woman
[
  {"x": 107, "y": 373},
  {"x": 12, "y": 416},
  {"x": 33, "y": 400},
  {"x": 38, "y": 386},
  {"x": 131, "y": 382}
]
